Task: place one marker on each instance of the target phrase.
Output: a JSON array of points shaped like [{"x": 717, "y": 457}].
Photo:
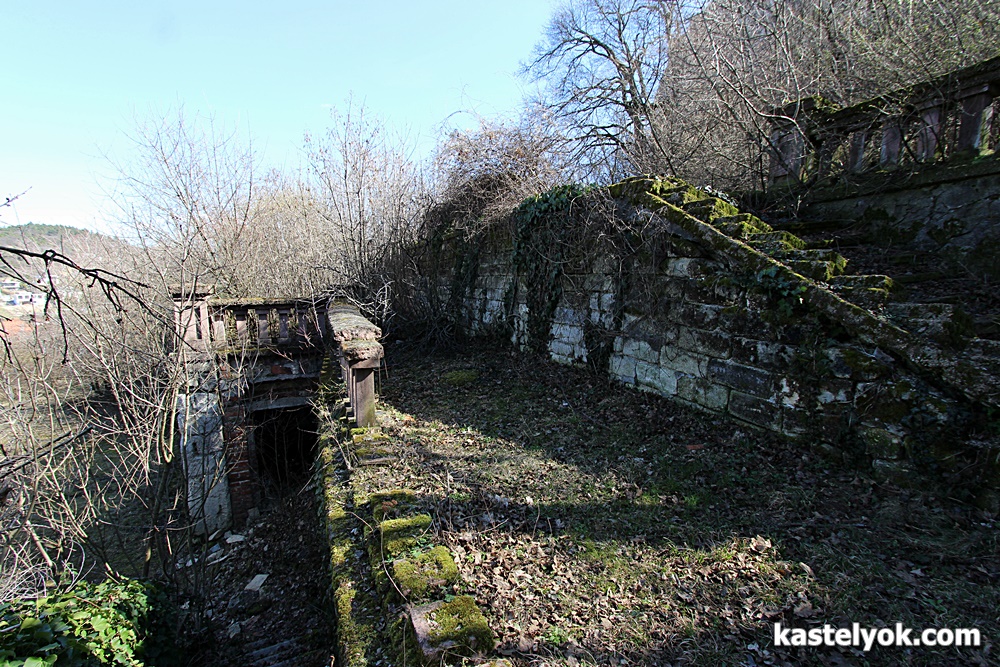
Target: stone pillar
[
  {"x": 787, "y": 147},
  {"x": 892, "y": 144},
  {"x": 204, "y": 457},
  {"x": 856, "y": 152},
  {"x": 931, "y": 129},
  {"x": 977, "y": 112}
]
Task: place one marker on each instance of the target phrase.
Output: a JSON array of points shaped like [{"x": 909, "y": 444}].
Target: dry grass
[{"x": 596, "y": 524}]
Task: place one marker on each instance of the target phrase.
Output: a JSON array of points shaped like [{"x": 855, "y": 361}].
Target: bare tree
[
  {"x": 690, "y": 87},
  {"x": 602, "y": 61},
  {"x": 370, "y": 194}
]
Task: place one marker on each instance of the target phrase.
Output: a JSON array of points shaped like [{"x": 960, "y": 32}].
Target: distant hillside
[{"x": 34, "y": 236}]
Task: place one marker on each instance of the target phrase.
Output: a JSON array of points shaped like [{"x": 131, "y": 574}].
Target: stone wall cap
[{"x": 360, "y": 349}]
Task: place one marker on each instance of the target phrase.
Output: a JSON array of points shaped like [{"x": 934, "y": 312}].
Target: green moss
[
  {"x": 397, "y": 536},
  {"x": 391, "y": 503},
  {"x": 461, "y": 621},
  {"x": 460, "y": 378},
  {"x": 418, "y": 577},
  {"x": 355, "y": 632}
]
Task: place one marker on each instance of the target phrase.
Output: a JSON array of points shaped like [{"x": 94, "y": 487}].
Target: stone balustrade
[
  {"x": 206, "y": 323},
  {"x": 813, "y": 141}
]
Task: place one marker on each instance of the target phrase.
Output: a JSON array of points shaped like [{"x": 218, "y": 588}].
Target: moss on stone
[
  {"x": 460, "y": 621},
  {"x": 418, "y": 577},
  {"x": 391, "y": 503}
]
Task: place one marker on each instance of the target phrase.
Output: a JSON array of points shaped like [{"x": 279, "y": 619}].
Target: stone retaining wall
[{"x": 701, "y": 316}]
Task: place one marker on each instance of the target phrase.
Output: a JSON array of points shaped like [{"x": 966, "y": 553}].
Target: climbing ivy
[{"x": 543, "y": 241}]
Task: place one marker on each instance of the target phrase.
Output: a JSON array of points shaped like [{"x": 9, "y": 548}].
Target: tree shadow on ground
[{"x": 649, "y": 532}]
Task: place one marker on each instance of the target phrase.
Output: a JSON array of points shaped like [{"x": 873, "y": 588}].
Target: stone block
[
  {"x": 710, "y": 343},
  {"x": 698, "y": 315},
  {"x": 746, "y": 379},
  {"x": 702, "y": 392},
  {"x": 880, "y": 443},
  {"x": 755, "y": 410},
  {"x": 456, "y": 627},
  {"x": 682, "y": 361},
  {"x": 558, "y": 348},
  {"x": 855, "y": 364},
  {"x": 900, "y": 473},
  {"x": 821, "y": 425},
  {"x": 622, "y": 368},
  {"x": 425, "y": 575},
  {"x": 661, "y": 380},
  {"x": 641, "y": 351},
  {"x": 683, "y": 267},
  {"x": 761, "y": 353}
]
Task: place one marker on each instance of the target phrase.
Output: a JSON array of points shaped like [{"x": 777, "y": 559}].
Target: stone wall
[
  {"x": 703, "y": 312},
  {"x": 949, "y": 210}
]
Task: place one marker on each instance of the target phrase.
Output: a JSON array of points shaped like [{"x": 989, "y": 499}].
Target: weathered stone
[
  {"x": 622, "y": 368},
  {"x": 426, "y": 574},
  {"x": 744, "y": 378},
  {"x": 455, "y": 627},
  {"x": 641, "y": 351},
  {"x": 762, "y": 353},
  {"x": 682, "y": 361},
  {"x": 662, "y": 380},
  {"x": 880, "y": 443},
  {"x": 755, "y": 410},
  {"x": 346, "y": 323},
  {"x": 702, "y": 392},
  {"x": 710, "y": 343}
]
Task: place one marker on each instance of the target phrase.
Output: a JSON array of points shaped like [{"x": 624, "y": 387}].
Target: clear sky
[{"x": 77, "y": 74}]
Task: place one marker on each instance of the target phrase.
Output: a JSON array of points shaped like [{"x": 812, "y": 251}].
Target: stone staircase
[
  {"x": 932, "y": 338},
  {"x": 939, "y": 323},
  {"x": 288, "y": 653}
]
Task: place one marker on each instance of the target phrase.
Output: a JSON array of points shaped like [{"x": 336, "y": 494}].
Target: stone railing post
[
  {"x": 892, "y": 143},
  {"x": 787, "y": 144},
  {"x": 191, "y": 318},
  {"x": 931, "y": 128},
  {"x": 977, "y": 112},
  {"x": 360, "y": 356}
]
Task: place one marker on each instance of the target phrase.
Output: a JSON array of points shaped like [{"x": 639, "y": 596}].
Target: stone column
[
  {"x": 931, "y": 129},
  {"x": 977, "y": 112}
]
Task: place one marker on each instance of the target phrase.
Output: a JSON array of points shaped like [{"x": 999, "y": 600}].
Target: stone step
[
  {"x": 932, "y": 320},
  {"x": 818, "y": 271},
  {"x": 824, "y": 255},
  {"x": 771, "y": 242},
  {"x": 275, "y": 654},
  {"x": 868, "y": 281},
  {"x": 710, "y": 208},
  {"x": 866, "y": 297}
]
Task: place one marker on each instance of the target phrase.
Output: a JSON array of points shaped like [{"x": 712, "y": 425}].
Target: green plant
[
  {"x": 116, "y": 622},
  {"x": 541, "y": 243},
  {"x": 786, "y": 291}
]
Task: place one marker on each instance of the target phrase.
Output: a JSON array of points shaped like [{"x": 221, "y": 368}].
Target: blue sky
[{"x": 76, "y": 75}]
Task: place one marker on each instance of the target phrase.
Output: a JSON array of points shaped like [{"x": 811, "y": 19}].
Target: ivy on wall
[{"x": 545, "y": 229}]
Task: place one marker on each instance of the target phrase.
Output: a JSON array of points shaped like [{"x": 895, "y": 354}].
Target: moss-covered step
[
  {"x": 868, "y": 291},
  {"x": 710, "y": 208},
  {"x": 770, "y": 242},
  {"x": 450, "y": 630},
  {"x": 395, "y": 537},
  {"x": 426, "y": 575},
  {"x": 392, "y": 504}
]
